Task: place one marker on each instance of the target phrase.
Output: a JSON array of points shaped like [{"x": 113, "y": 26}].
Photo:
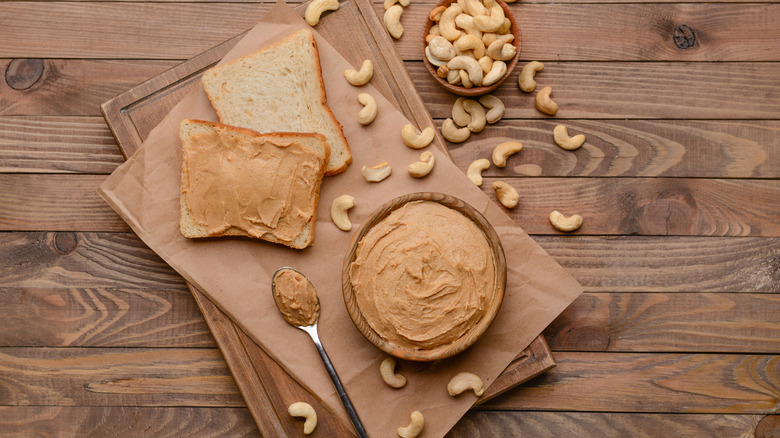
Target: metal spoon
[{"x": 312, "y": 331}]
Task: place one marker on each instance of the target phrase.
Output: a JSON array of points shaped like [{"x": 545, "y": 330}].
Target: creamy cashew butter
[
  {"x": 296, "y": 298},
  {"x": 258, "y": 186},
  {"x": 423, "y": 276}
]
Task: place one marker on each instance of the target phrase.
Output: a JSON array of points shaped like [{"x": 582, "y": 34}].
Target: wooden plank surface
[{"x": 675, "y": 336}]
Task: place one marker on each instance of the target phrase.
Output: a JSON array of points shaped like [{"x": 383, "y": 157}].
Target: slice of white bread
[
  {"x": 278, "y": 176},
  {"x": 279, "y": 89}
]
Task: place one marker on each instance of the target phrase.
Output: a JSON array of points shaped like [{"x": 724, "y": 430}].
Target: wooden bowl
[
  {"x": 467, "y": 339},
  {"x": 473, "y": 91}
]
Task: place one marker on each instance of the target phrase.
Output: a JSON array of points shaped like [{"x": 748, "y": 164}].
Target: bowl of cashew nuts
[
  {"x": 471, "y": 46},
  {"x": 429, "y": 277}
]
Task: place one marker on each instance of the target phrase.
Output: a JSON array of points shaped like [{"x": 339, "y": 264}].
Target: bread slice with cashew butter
[
  {"x": 237, "y": 182},
  {"x": 279, "y": 89}
]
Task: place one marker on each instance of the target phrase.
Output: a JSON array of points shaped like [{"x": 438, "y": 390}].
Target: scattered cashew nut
[
  {"x": 506, "y": 194},
  {"x": 392, "y": 19},
  {"x": 389, "y": 3},
  {"x": 495, "y": 108},
  {"x": 414, "y": 428},
  {"x": 459, "y": 114},
  {"x": 368, "y": 113},
  {"x": 465, "y": 381},
  {"x": 377, "y": 173},
  {"x": 469, "y": 64},
  {"x": 316, "y": 8},
  {"x": 504, "y": 150},
  {"x": 526, "y": 79},
  {"x": 454, "y": 134},
  {"x": 562, "y": 139},
  {"x": 338, "y": 211},
  {"x": 415, "y": 140},
  {"x": 474, "y": 172},
  {"x": 387, "y": 370},
  {"x": 477, "y": 113},
  {"x": 544, "y": 102},
  {"x": 362, "y": 76},
  {"x": 421, "y": 168},
  {"x": 563, "y": 223},
  {"x": 304, "y": 410}
]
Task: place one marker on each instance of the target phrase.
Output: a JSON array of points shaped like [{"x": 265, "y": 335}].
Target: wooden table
[{"x": 678, "y": 333}]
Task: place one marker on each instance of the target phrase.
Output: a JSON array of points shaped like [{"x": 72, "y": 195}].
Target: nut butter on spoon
[{"x": 297, "y": 300}]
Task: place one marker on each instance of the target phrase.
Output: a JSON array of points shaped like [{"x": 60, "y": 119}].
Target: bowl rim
[
  {"x": 474, "y": 91},
  {"x": 463, "y": 342}
]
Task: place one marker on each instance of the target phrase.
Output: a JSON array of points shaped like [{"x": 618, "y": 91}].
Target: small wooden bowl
[
  {"x": 467, "y": 339},
  {"x": 473, "y": 91}
]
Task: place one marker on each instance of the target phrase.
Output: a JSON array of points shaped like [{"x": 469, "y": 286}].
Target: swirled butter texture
[{"x": 423, "y": 276}]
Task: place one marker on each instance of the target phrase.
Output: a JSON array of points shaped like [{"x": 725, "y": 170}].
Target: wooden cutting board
[{"x": 268, "y": 390}]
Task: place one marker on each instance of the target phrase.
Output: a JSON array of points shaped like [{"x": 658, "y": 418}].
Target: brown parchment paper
[{"x": 235, "y": 272}]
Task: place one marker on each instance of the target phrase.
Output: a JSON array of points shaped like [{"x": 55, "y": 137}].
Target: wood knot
[
  {"x": 684, "y": 37},
  {"x": 768, "y": 427},
  {"x": 65, "y": 242},
  {"x": 22, "y": 74}
]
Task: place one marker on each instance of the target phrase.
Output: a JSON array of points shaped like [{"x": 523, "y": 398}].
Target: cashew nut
[
  {"x": 368, "y": 113},
  {"x": 434, "y": 32},
  {"x": 477, "y": 113},
  {"x": 466, "y": 22},
  {"x": 453, "y": 76},
  {"x": 387, "y": 370},
  {"x": 501, "y": 51},
  {"x": 316, "y": 8},
  {"x": 469, "y": 64},
  {"x": 414, "y": 428},
  {"x": 562, "y": 139},
  {"x": 465, "y": 381},
  {"x": 459, "y": 114},
  {"x": 506, "y": 27},
  {"x": 475, "y": 7},
  {"x": 416, "y": 140},
  {"x": 421, "y": 168},
  {"x": 435, "y": 14},
  {"x": 563, "y": 223},
  {"x": 441, "y": 48},
  {"x": 474, "y": 172},
  {"x": 338, "y": 211},
  {"x": 392, "y": 19},
  {"x": 506, "y": 194},
  {"x": 447, "y": 23},
  {"x": 526, "y": 78},
  {"x": 544, "y": 103},
  {"x": 389, "y": 3},
  {"x": 304, "y": 410},
  {"x": 470, "y": 42},
  {"x": 488, "y": 38},
  {"x": 443, "y": 71},
  {"x": 505, "y": 150},
  {"x": 497, "y": 71},
  {"x": 433, "y": 59},
  {"x": 486, "y": 63},
  {"x": 377, "y": 173},
  {"x": 454, "y": 134},
  {"x": 495, "y": 108},
  {"x": 492, "y": 22},
  {"x": 361, "y": 77},
  {"x": 464, "y": 79}
]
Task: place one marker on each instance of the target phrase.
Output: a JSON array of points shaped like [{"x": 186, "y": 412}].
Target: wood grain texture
[
  {"x": 664, "y": 322},
  {"x": 126, "y": 421},
  {"x": 32, "y": 144},
  {"x": 642, "y": 148},
  {"x": 101, "y": 318},
  {"x": 641, "y": 206},
  {"x": 600, "y": 264},
  {"x": 635, "y": 32},
  {"x": 116, "y": 377},
  {"x": 483, "y": 424},
  {"x": 670, "y": 383}
]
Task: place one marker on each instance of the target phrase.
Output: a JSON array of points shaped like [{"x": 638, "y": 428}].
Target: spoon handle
[{"x": 361, "y": 431}]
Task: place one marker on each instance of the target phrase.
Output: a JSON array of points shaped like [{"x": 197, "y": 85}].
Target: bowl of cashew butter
[
  {"x": 424, "y": 276},
  {"x": 471, "y": 46}
]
